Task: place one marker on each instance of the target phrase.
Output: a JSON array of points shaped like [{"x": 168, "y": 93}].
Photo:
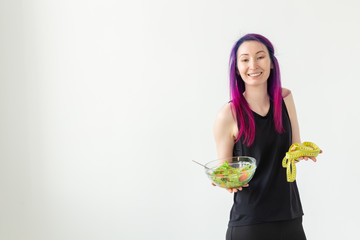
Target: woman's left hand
[{"x": 307, "y": 158}]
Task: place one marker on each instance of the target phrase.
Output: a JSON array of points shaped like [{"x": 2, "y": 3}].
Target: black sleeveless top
[{"x": 269, "y": 196}]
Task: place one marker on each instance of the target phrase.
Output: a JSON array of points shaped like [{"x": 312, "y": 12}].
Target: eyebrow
[{"x": 256, "y": 53}]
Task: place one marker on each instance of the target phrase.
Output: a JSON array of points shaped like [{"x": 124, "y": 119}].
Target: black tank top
[{"x": 269, "y": 196}]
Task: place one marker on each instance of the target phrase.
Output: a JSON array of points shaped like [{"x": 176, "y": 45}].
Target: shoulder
[
  {"x": 225, "y": 126},
  {"x": 226, "y": 119},
  {"x": 289, "y": 102},
  {"x": 225, "y": 114},
  {"x": 285, "y": 92},
  {"x": 288, "y": 98}
]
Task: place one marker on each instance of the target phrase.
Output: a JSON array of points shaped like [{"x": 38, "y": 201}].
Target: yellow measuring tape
[{"x": 296, "y": 150}]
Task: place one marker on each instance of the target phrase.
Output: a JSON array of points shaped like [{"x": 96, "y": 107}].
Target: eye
[
  {"x": 244, "y": 60},
  {"x": 261, "y": 57}
]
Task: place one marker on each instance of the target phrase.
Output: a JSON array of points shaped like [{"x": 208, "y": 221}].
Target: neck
[{"x": 257, "y": 95}]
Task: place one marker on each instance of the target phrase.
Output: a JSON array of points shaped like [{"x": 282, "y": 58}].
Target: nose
[{"x": 252, "y": 64}]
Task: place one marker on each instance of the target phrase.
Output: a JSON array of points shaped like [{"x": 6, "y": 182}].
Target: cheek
[
  {"x": 269, "y": 65},
  {"x": 241, "y": 69},
  {"x": 242, "y": 72}
]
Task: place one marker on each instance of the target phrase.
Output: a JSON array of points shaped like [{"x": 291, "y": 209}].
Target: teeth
[{"x": 254, "y": 74}]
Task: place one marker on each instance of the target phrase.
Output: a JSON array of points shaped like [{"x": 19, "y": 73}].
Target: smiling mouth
[{"x": 254, "y": 74}]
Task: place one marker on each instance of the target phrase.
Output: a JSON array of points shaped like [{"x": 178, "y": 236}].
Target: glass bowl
[{"x": 232, "y": 172}]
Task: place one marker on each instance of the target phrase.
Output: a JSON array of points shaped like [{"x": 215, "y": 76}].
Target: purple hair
[{"x": 243, "y": 113}]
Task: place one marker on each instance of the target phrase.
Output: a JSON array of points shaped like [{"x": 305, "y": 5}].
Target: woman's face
[{"x": 253, "y": 63}]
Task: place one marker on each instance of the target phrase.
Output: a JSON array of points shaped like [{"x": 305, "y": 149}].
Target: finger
[
  {"x": 240, "y": 188},
  {"x": 229, "y": 190},
  {"x": 320, "y": 151},
  {"x": 246, "y": 185},
  {"x": 313, "y": 158},
  {"x": 213, "y": 184}
]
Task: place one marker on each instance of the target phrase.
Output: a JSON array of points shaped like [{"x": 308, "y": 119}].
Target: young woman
[{"x": 260, "y": 121}]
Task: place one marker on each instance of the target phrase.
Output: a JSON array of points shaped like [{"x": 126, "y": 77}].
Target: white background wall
[{"x": 105, "y": 103}]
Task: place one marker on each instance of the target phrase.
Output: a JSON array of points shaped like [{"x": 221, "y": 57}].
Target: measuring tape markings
[{"x": 296, "y": 150}]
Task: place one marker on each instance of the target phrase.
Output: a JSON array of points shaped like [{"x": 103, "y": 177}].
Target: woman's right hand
[{"x": 231, "y": 190}]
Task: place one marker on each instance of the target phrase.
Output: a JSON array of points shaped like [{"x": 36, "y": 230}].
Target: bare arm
[
  {"x": 225, "y": 133},
  {"x": 290, "y": 105}
]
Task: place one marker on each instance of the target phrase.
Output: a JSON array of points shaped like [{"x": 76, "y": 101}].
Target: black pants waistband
[{"x": 279, "y": 230}]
